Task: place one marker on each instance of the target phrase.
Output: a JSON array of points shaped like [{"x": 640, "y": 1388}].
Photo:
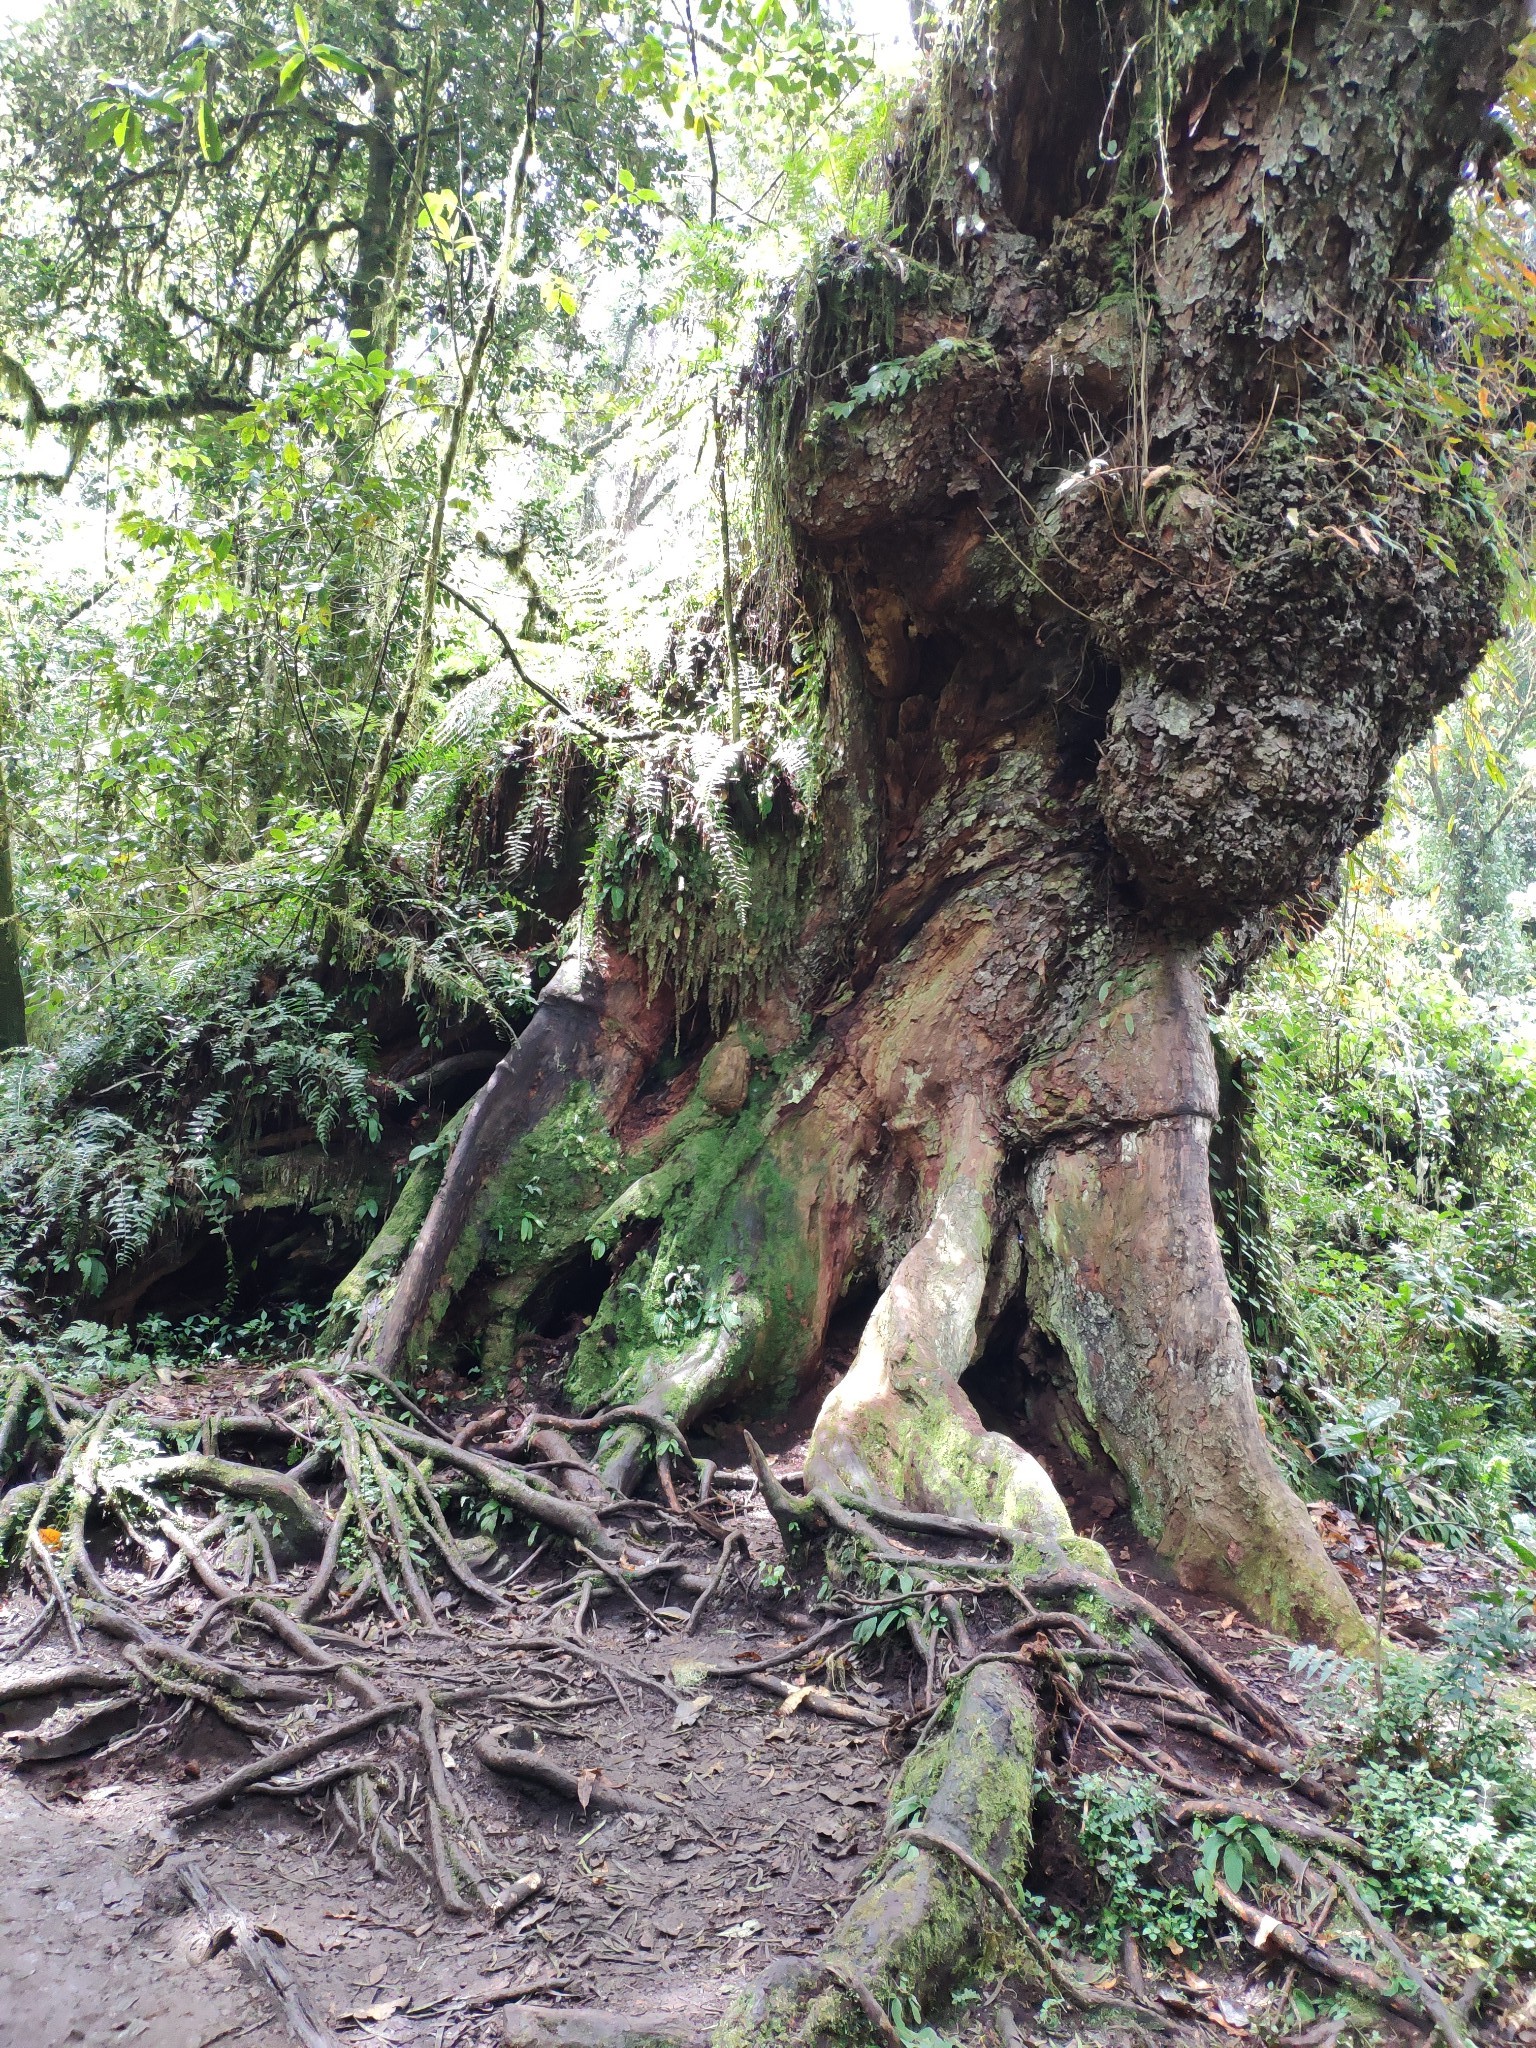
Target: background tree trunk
[{"x": 13, "y": 1000}]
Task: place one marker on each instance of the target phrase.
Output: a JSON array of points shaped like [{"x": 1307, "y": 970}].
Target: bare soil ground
[{"x": 766, "y": 1780}]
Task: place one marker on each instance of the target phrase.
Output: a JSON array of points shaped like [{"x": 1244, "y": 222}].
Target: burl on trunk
[{"x": 1125, "y": 599}]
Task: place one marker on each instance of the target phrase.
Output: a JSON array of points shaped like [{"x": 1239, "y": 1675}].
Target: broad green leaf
[{"x": 209, "y": 139}]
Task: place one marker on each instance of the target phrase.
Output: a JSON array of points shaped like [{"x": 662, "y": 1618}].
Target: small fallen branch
[
  {"x": 1271, "y": 1936},
  {"x": 815, "y": 1699},
  {"x": 716, "y": 1581},
  {"x": 257, "y": 1951}
]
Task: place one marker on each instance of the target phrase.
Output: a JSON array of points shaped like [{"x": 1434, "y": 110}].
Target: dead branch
[
  {"x": 716, "y": 1581},
  {"x": 1271, "y": 1936},
  {"x": 261, "y": 1956}
]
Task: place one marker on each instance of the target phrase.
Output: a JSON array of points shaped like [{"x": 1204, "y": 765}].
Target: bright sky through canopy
[{"x": 886, "y": 22}]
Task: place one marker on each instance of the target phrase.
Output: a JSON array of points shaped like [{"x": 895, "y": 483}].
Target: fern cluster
[{"x": 129, "y": 1129}]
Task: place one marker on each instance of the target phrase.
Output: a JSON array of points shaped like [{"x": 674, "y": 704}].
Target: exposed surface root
[{"x": 343, "y": 1681}]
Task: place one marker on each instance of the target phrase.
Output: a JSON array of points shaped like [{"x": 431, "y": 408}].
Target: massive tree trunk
[{"x": 1126, "y": 602}]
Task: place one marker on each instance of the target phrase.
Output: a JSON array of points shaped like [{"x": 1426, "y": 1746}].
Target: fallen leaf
[
  {"x": 688, "y": 1711},
  {"x": 384, "y": 2010},
  {"x": 790, "y": 1704}
]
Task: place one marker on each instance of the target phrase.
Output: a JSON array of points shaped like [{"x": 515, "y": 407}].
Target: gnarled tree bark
[{"x": 1126, "y": 605}]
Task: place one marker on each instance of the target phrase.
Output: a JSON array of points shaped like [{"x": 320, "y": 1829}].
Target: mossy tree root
[
  {"x": 898, "y": 1447},
  {"x": 899, "y": 1433},
  {"x": 593, "y": 1025},
  {"x": 923, "y": 1918},
  {"x": 899, "y": 1428},
  {"x": 1125, "y": 1270}
]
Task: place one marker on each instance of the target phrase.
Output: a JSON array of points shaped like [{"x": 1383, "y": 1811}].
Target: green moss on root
[
  {"x": 401, "y": 1227},
  {"x": 732, "y": 1268}
]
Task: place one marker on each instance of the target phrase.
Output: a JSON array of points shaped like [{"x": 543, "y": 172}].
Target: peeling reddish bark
[{"x": 1125, "y": 616}]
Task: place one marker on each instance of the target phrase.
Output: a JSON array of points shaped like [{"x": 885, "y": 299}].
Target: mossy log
[{"x": 1110, "y": 680}]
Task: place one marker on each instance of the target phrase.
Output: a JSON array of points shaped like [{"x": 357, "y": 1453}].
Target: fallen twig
[
  {"x": 716, "y": 1581},
  {"x": 1272, "y": 1936},
  {"x": 260, "y": 1955}
]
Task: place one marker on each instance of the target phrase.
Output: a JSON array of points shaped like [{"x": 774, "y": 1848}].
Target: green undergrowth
[
  {"x": 1441, "y": 1794},
  {"x": 92, "y": 1360},
  {"x": 718, "y": 923},
  {"x": 134, "y": 1121},
  {"x": 1381, "y": 1234},
  {"x": 1444, "y": 1791}
]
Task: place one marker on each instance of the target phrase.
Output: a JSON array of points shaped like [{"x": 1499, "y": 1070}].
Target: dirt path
[
  {"x": 765, "y": 1822},
  {"x": 91, "y": 1952},
  {"x": 765, "y": 1811}
]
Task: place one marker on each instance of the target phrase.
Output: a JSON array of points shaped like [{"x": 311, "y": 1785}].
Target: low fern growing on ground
[
  {"x": 130, "y": 1125},
  {"x": 1445, "y": 1795}
]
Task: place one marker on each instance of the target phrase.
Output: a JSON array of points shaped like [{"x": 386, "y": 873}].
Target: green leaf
[
  {"x": 339, "y": 60},
  {"x": 209, "y": 140},
  {"x": 1234, "y": 1866},
  {"x": 301, "y": 23}
]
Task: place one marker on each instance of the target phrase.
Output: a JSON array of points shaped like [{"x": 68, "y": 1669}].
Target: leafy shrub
[
  {"x": 1444, "y": 1797},
  {"x": 1120, "y": 1818},
  {"x": 1394, "y": 1115}
]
